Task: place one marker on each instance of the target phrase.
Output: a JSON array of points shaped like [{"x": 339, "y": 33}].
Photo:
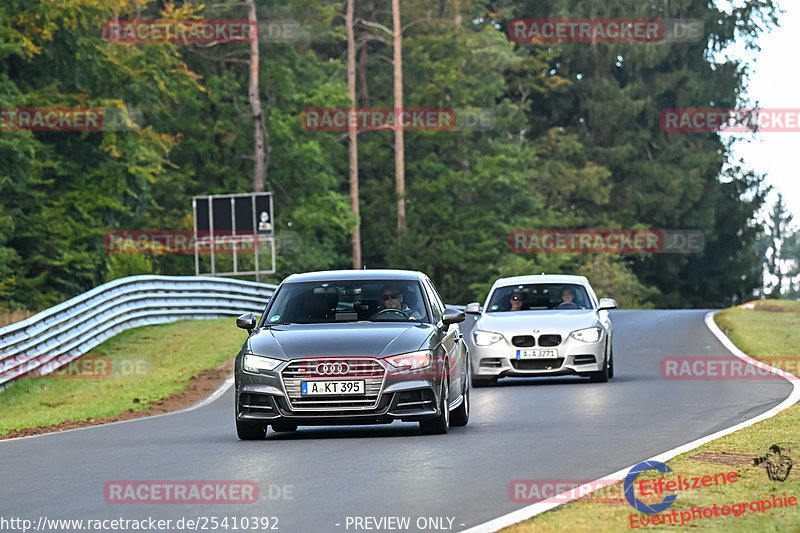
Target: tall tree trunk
[
  {"x": 458, "y": 18},
  {"x": 353, "y": 135},
  {"x": 399, "y": 143},
  {"x": 259, "y": 128},
  {"x": 362, "y": 75}
]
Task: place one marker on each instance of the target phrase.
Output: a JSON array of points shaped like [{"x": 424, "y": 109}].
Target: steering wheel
[
  {"x": 568, "y": 305},
  {"x": 389, "y": 311}
]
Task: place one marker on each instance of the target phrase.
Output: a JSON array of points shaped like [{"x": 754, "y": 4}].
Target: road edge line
[{"x": 584, "y": 490}]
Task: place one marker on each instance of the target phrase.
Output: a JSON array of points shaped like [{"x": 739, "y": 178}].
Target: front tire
[
  {"x": 440, "y": 424},
  {"x": 611, "y": 363},
  {"x": 460, "y": 416},
  {"x": 284, "y": 427},
  {"x": 247, "y": 431},
  {"x": 603, "y": 375},
  {"x": 483, "y": 382}
]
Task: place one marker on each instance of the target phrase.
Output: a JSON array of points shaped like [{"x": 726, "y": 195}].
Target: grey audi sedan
[
  {"x": 545, "y": 325},
  {"x": 352, "y": 347}
]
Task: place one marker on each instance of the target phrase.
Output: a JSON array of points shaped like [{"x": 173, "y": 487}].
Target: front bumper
[
  {"x": 574, "y": 358},
  {"x": 273, "y": 397}
]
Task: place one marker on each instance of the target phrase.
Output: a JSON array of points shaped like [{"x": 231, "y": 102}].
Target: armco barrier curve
[{"x": 70, "y": 329}]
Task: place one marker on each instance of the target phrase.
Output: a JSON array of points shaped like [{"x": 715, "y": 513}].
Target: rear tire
[
  {"x": 247, "y": 431},
  {"x": 460, "y": 416},
  {"x": 440, "y": 424}
]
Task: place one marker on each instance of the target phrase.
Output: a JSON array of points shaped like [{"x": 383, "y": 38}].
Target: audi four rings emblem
[{"x": 333, "y": 369}]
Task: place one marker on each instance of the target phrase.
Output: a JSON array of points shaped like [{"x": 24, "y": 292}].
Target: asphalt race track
[{"x": 315, "y": 479}]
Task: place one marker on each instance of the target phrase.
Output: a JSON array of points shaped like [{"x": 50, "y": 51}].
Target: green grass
[
  {"x": 771, "y": 330},
  {"x": 146, "y": 364}
]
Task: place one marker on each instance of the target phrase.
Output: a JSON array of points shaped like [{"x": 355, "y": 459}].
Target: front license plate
[
  {"x": 537, "y": 354},
  {"x": 322, "y": 388}
]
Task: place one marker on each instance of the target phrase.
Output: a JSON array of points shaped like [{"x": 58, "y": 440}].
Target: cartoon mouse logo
[{"x": 775, "y": 463}]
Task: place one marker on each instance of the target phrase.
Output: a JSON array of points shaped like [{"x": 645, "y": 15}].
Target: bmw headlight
[
  {"x": 257, "y": 363},
  {"x": 485, "y": 338},
  {"x": 410, "y": 361},
  {"x": 587, "y": 335}
]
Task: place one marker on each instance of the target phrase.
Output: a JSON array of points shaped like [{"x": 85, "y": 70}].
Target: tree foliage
[{"x": 576, "y": 143}]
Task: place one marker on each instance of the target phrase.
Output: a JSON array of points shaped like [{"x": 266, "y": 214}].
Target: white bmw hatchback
[{"x": 547, "y": 325}]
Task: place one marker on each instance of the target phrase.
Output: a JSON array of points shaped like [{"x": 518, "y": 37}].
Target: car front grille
[
  {"x": 537, "y": 364},
  {"x": 523, "y": 341},
  {"x": 549, "y": 340},
  {"x": 370, "y": 370}
]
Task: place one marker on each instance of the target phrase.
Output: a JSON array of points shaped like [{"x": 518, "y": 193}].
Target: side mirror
[
  {"x": 246, "y": 321},
  {"x": 473, "y": 308},
  {"x": 607, "y": 303},
  {"x": 453, "y": 316}
]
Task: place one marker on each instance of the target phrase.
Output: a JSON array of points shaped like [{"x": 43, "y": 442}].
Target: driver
[
  {"x": 567, "y": 295},
  {"x": 392, "y": 297},
  {"x": 515, "y": 301}
]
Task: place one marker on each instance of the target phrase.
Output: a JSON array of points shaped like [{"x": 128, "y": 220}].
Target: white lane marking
[
  {"x": 217, "y": 393},
  {"x": 579, "y": 492}
]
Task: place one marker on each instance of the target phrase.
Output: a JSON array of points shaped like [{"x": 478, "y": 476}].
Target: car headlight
[
  {"x": 257, "y": 363},
  {"x": 485, "y": 338},
  {"x": 587, "y": 335},
  {"x": 410, "y": 361}
]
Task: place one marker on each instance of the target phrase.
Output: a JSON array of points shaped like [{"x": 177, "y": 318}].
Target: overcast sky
[{"x": 775, "y": 82}]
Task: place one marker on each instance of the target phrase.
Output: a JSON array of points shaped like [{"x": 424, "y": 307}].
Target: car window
[
  {"x": 437, "y": 307},
  {"x": 347, "y": 301},
  {"x": 539, "y": 297}
]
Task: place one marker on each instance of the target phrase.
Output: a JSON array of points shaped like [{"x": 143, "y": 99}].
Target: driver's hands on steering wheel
[
  {"x": 568, "y": 305},
  {"x": 390, "y": 310}
]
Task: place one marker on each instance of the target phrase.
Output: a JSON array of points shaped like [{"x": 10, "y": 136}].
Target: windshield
[
  {"x": 539, "y": 297},
  {"x": 347, "y": 301}
]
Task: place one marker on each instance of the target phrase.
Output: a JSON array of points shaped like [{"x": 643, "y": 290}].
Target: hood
[
  {"x": 360, "y": 339},
  {"x": 524, "y": 322}
]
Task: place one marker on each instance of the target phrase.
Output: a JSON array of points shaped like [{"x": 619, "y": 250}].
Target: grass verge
[
  {"x": 132, "y": 371},
  {"x": 770, "y": 330}
]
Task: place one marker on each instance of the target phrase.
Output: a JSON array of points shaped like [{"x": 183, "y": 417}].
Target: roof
[
  {"x": 365, "y": 274},
  {"x": 541, "y": 278}
]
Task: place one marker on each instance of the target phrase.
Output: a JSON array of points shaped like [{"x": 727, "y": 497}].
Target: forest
[{"x": 547, "y": 134}]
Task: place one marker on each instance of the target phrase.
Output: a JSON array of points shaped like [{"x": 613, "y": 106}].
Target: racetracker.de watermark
[
  {"x": 378, "y": 119},
  {"x": 180, "y": 492},
  {"x": 76, "y": 366},
  {"x": 180, "y": 31},
  {"x": 565, "y": 490},
  {"x": 205, "y": 31},
  {"x": 584, "y": 30},
  {"x": 728, "y": 368},
  {"x": 731, "y": 120},
  {"x": 617, "y": 241},
  {"x": 179, "y": 242},
  {"x": 69, "y": 119}
]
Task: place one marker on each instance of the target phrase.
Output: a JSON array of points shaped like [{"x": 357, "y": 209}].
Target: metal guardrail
[{"x": 50, "y": 339}]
